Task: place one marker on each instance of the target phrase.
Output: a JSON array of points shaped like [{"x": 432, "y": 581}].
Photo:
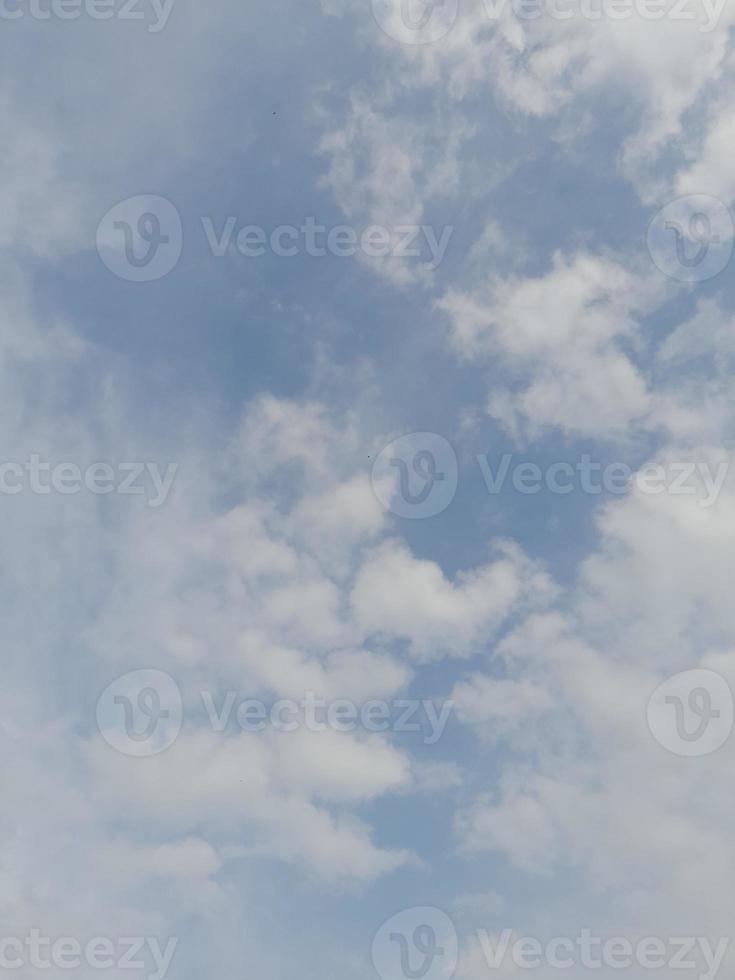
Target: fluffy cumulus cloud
[
  {"x": 585, "y": 784},
  {"x": 405, "y": 598},
  {"x": 561, "y": 336},
  {"x": 285, "y": 592},
  {"x": 546, "y": 59}
]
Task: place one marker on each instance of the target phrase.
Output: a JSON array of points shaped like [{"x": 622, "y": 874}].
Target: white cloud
[
  {"x": 499, "y": 705},
  {"x": 586, "y": 788},
  {"x": 706, "y": 172},
  {"x": 560, "y": 336},
  {"x": 384, "y": 169},
  {"x": 401, "y": 597},
  {"x": 264, "y": 785},
  {"x": 542, "y": 65}
]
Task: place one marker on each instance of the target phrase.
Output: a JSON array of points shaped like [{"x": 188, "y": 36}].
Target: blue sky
[{"x": 281, "y": 559}]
